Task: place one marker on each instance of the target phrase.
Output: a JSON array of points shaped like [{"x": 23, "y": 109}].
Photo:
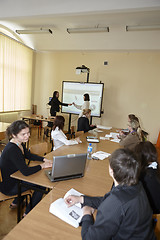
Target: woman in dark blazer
[{"x": 54, "y": 103}]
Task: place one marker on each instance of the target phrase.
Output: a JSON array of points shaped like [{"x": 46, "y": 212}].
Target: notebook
[{"x": 67, "y": 167}]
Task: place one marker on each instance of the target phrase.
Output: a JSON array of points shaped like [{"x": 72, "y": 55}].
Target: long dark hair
[
  {"x": 15, "y": 128},
  {"x": 125, "y": 167},
  {"x": 86, "y": 97},
  {"x": 146, "y": 153},
  {"x": 54, "y": 94},
  {"x": 59, "y": 122}
]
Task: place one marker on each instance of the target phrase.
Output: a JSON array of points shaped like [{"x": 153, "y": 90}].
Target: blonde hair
[
  {"x": 86, "y": 111},
  {"x": 134, "y": 124}
]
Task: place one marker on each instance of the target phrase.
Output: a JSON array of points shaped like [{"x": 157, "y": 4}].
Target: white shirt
[
  {"x": 85, "y": 105},
  {"x": 60, "y": 139}
]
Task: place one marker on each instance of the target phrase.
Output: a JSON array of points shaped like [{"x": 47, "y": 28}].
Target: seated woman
[
  {"x": 143, "y": 135},
  {"x": 124, "y": 212},
  {"x": 83, "y": 122},
  {"x": 59, "y": 138},
  {"x": 13, "y": 159},
  {"x": 150, "y": 173},
  {"x": 133, "y": 138}
]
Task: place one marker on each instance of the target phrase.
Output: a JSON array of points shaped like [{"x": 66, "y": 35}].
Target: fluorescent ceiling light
[
  {"x": 88, "y": 30},
  {"x": 34, "y": 31},
  {"x": 142, "y": 28}
]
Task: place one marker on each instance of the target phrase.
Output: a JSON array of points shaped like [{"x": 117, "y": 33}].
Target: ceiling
[{"x": 60, "y": 15}]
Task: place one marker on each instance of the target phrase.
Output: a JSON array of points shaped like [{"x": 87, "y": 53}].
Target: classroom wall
[{"x": 131, "y": 81}]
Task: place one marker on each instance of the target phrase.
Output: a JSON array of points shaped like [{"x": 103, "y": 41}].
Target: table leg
[{"x": 19, "y": 202}]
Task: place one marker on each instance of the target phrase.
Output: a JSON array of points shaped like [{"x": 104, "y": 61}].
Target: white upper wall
[
  {"x": 22, "y": 8},
  {"x": 60, "y": 15}
]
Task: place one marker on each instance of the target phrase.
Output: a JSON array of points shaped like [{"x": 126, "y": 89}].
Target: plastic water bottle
[{"x": 89, "y": 151}]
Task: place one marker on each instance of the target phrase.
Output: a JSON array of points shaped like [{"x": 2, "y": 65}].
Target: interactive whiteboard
[{"x": 74, "y": 91}]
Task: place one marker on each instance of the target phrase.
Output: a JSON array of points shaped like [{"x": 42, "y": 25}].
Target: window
[{"x": 15, "y": 75}]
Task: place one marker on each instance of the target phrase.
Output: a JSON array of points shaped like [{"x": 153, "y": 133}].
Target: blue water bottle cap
[{"x": 90, "y": 144}]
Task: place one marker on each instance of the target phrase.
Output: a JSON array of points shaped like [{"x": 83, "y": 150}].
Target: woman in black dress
[{"x": 54, "y": 103}]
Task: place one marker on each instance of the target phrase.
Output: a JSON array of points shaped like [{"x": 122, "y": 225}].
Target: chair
[
  {"x": 79, "y": 133},
  {"x": 4, "y": 197},
  {"x": 158, "y": 141},
  {"x": 40, "y": 149}
]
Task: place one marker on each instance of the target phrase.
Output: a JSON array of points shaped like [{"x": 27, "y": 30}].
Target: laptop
[{"x": 67, "y": 167}]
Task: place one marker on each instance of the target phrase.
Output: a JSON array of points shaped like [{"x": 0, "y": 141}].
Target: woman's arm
[
  {"x": 77, "y": 106},
  {"x": 60, "y": 136},
  {"x": 18, "y": 160},
  {"x": 63, "y": 104}
]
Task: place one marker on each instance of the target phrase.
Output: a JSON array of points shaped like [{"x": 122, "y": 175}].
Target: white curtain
[{"x": 15, "y": 75}]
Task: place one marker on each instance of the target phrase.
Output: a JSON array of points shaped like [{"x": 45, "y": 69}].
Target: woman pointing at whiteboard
[{"x": 85, "y": 105}]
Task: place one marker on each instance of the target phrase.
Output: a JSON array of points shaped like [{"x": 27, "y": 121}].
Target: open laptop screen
[{"x": 67, "y": 167}]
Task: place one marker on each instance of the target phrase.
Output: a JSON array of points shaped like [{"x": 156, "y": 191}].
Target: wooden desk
[
  {"x": 3, "y": 127},
  {"x": 39, "y": 223},
  {"x": 42, "y": 225}
]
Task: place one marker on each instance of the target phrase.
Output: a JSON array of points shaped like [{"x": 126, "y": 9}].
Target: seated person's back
[
  {"x": 83, "y": 122},
  {"x": 57, "y": 135},
  {"x": 150, "y": 173}
]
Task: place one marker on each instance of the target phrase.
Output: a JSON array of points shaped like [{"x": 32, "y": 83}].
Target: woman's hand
[
  {"x": 72, "y": 200},
  {"x": 88, "y": 210},
  {"x": 78, "y": 140},
  {"x": 46, "y": 165}
]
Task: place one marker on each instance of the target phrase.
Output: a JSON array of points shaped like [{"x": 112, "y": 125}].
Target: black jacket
[
  {"x": 122, "y": 214},
  {"x": 12, "y": 160},
  {"x": 54, "y": 103},
  {"x": 151, "y": 184},
  {"x": 83, "y": 124}
]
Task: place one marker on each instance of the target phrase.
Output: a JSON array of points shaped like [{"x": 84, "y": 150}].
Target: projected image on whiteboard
[{"x": 74, "y": 91}]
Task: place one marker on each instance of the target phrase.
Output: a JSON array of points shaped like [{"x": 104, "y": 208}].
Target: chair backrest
[
  {"x": 0, "y": 176},
  {"x": 40, "y": 149},
  {"x": 158, "y": 141},
  {"x": 79, "y": 133}
]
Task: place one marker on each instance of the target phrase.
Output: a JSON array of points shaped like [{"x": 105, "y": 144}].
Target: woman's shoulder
[
  {"x": 55, "y": 131},
  {"x": 9, "y": 148}
]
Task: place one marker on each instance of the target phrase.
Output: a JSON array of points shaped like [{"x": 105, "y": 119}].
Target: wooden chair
[
  {"x": 4, "y": 197},
  {"x": 79, "y": 133},
  {"x": 40, "y": 149},
  {"x": 158, "y": 141}
]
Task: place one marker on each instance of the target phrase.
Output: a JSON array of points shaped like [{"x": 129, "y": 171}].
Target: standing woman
[
  {"x": 13, "y": 160},
  {"x": 85, "y": 105},
  {"x": 54, "y": 103}
]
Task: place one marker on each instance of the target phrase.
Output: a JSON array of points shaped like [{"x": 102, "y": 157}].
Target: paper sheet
[
  {"x": 104, "y": 127},
  {"x": 101, "y": 155}
]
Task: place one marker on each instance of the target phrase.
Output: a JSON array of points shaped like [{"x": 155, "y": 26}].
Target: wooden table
[
  {"x": 3, "y": 127},
  {"x": 39, "y": 223},
  {"x": 38, "y": 118}
]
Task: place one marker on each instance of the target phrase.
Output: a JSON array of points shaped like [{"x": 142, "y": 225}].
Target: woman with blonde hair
[
  {"x": 133, "y": 138},
  {"x": 83, "y": 122}
]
